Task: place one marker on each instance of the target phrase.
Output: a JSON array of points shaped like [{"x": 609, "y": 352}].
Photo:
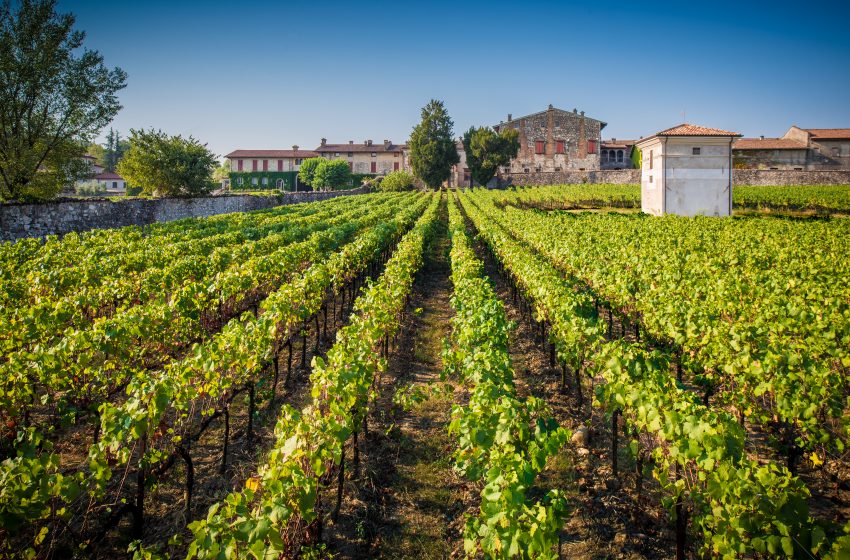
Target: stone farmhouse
[
  {"x": 810, "y": 149},
  {"x": 555, "y": 140},
  {"x": 367, "y": 158},
  {"x": 266, "y": 169}
]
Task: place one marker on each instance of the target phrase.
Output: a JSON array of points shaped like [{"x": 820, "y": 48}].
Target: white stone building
[{"x": 687, "y": 170}]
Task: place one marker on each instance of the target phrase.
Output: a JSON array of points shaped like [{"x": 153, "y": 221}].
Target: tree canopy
[
  {"x": 163, "y": 165},
  {"x": 486, "y": 151},
  {"x": 307, "y": 171},
  {"x": 54, "y": 99},
  {"x": 396, "y": 181},
  {"x": 331, "y": 174},
  {"x": 432, "y": 145}
]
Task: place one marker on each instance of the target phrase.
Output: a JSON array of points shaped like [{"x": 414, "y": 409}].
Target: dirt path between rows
[{"x": 407, "y": 502}]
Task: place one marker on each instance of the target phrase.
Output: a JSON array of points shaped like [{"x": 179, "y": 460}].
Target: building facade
[
  {"x": 829, "y": 148},
  {"x": 267, "y": 169},
  {"x": 367, "y": 158},
  {"x": 616, "y": 154},
  {"x": 770, "y": 153},
  {"x": 112, "y": 182},
  {"x": 555, "y": 140},
  {"x": 687, "y": 170}
]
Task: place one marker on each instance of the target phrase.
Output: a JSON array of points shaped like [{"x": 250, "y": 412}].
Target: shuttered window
[
  {"x": 591, "y": 146},
  {"x": 539, "y": 146},
  {"x": 560, "y": 147}
]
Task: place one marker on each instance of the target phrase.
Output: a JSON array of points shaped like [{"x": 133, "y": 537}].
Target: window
[
  {"x": 114, "y": 184},
  {"x": 395, "y": 166},
  {"x": 265, "y": 165},
  {"x": 539, "y": 146},
  {"x": 695, "y": 151},
  {"x": 650, "y": 178},
  {"x": 253, "y": 180},
  {"x": 620, "y": 156},
  {"x": 374, "y": 154},
  {"x": 253, "y": 165},
  {"x": 559, "y": 147},
  {"x": 650, "y": 162},
  {"x": 265, "y": 181},
  {"x": 591, "y": 146},
  {"x": 603, "y": 156},
  {"x": 835, "y": 152},
  {"x": 350, "y": 154},
  {"x": 279, "y": 183},
  {"x": 239, "y": 165},
  {"x": 239, "y": 180},
  {"x": 280, "y": 165},
  {"x": 374, "y": 167},
  {"x": 336, "y": 154},
  {"x": 298, "y": 161},
  {"x": 395, "y": 154}
]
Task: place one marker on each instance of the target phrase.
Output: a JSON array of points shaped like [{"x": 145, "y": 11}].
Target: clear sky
[{"x": 269, "y": 75}]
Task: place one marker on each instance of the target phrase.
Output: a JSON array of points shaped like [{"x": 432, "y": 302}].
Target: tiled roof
[
  {"x": 361, "y": 148},
  {"x": 272, "y": 154},
  {"x": 695, "y": 130},
  {"x": 767, "y": 144},
  {"x": 109, "y": 175},
  {"x": 618, "y": 143},
  {"x": 829, "y": 133}
]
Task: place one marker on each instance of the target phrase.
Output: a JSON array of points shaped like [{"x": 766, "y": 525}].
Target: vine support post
[
  {"x": 139, "y": 510},
  {"x": 552, "y": 354},
  {"x": 318, "y": 335},
  {"x": 276, "y": 376},
  {"x": 288, "y": 363},
  {"x": 340, "y": 481},
  {"x": 304, "y": 345},
  {"x": 190, "y": 481},
  {"x": 226, "y": 413},
  {"x": 250, "y": 436},
  {"x": 681, "y": 524},
  {"x": 615, "y": 416}
]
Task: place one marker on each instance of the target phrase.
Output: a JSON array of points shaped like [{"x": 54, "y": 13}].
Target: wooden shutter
[{"x": 539, "y": 146}]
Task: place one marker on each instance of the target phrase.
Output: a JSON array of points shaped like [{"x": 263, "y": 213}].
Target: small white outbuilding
[{"x": 687, "y": 170}]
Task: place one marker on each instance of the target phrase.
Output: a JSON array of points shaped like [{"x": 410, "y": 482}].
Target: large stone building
[
  {"x": 687, "y": 170},
  {"x": 555, "y": 140},
  {"x": 267, "y": 169},
  {"x": 367, "y": 158},
  {"x": 829, "y": 148}
]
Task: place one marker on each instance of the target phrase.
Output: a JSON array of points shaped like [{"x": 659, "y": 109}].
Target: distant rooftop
[
  {"x": 272, "y": 154},
  {"x": 829, "y": 133},
  {"x": 768, "y": 144},
  {"x": 686, "y": 129}
]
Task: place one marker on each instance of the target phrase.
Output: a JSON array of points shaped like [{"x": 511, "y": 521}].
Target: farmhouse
[
  {"x": 616, "y": 154},
  {"x": 266, "y": 168},
  {"x": 829, "y": 148},
  {"x": 367, "y": 158},
  {"x": 810, "y": 149},
  {"x": 686, "y": 170},
  {"x": 112, "y": 182},
  {"x": 554, "y": 140}
]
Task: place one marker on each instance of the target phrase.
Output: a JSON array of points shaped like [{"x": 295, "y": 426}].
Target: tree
[
  {"x": 54, "y": 99},
  {"x": 165, "y": 165},
  {"x": 486, "y": 151},
  {"x": 331, "y": 174},
  {"x": 222, "y": 172},
  {"x": 396, "y": 181},
  {"x": 114, "y": 150},
  {"x": 99, "y": 154},
  {"x": 308, "y": 169},
  {"x": 432, "y": 146}
]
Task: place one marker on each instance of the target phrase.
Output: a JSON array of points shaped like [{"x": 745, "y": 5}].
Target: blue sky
[{"x": 273, "y": 74}]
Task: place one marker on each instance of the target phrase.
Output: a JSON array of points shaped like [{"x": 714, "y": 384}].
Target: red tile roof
[
  {"x": 361, "y": 148},
  {"x": 695, "y": 130},
  {"x": 109, "y": 175},
  {"x": 829, "y": 133},
  {"x": 618, "y": 143},
  {"x": 272, "y": 154},
  {"x": 767, "y": 144}
]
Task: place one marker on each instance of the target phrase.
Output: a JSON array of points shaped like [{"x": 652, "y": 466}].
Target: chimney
[
  {"x": 510, "y": 117},
  {"x": 582, "y": 113},
  {"x": 369, "y": 142},
  {"x": 575, "y": 110},
  {"x": 324, "y": 141},
  {"x": 762, "y": 136},
  {"x": 386, "y": 142},
  {"x": 295, "y": 147},
  {"x": 351, "y": 141},
  {"x": 550, "y": 107},
  {"x": 613, "y": 140}
]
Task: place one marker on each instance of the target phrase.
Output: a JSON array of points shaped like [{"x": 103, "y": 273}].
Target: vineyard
[{"x": 530, "y": 373}]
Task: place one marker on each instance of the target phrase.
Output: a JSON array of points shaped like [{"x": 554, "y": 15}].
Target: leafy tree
[
  {"x": 331, "y": 174},
  {"x": 221, "y": 172},
  {"x": 486, "y": 151},
  {"x": 432, "y": 145},
  {"x": 165, "y": 165},
  {"x": 397, "y": 181},
  {"x": 308, "y": 169},
  {"x": 98, "y": 152},
  {"x": 54, "y": 99}
]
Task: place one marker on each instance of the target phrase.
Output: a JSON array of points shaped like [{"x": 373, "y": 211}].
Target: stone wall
[
  {"x": 59, "y": 218},
  {"x": 763, "y": 177},
  {"x": 602, "y": 176},
  {"x": 758, "y": 177}
]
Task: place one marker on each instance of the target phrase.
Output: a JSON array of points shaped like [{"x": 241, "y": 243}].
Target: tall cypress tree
[{"x": 432, "y": 145}]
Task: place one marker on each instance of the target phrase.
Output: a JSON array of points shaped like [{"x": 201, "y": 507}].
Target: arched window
[
  {"x": 279, "y": 183},
  {"x": 619, "y": 155}
]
